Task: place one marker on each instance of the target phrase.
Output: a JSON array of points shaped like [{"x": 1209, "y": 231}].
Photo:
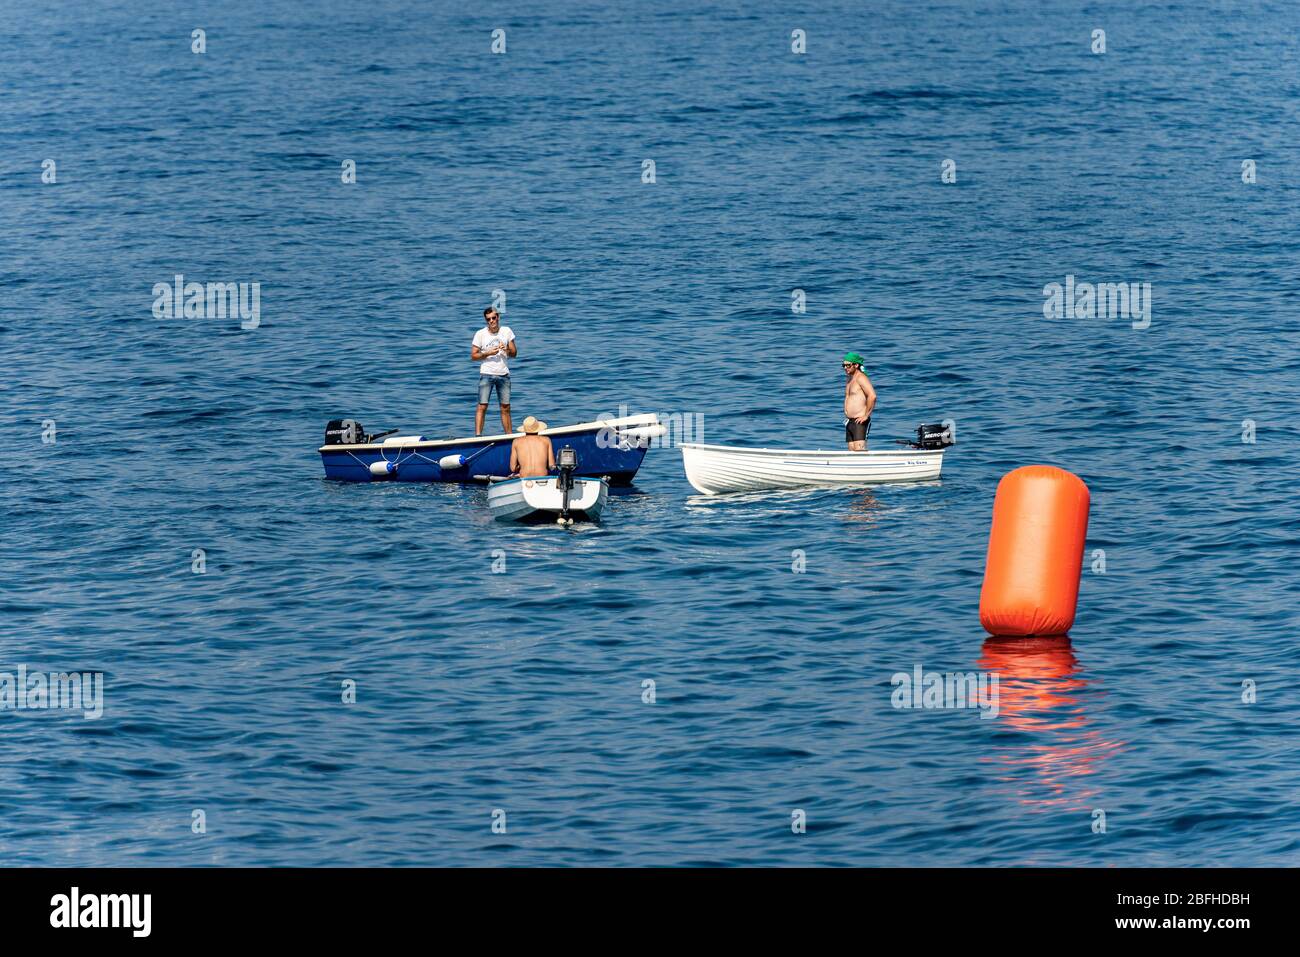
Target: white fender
[{"x": 645, "y": 431}]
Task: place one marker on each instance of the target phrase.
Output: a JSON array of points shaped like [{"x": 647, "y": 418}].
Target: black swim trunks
[{"x": 856, "y": 431}]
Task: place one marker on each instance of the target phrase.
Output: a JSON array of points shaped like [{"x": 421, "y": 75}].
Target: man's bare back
[{"x": 532, "y": 456}]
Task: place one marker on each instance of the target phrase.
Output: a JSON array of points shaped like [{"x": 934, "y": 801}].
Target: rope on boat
[{"x": 397, "y": 462}]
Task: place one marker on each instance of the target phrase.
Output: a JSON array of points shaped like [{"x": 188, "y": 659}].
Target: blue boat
[{"x": 609, "y": 448}]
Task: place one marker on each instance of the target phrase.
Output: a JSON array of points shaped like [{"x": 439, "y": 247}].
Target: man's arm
[
  {"x": 550, "y": 456},
  {"x": 478, "y": 355},
  {"x": 514, "y": 459},
  {"x": 870, "y": 393},
  {"x": 511, "y": 349}
]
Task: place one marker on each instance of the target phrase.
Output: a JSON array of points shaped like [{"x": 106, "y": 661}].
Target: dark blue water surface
[{"x": 522, "y": 691}]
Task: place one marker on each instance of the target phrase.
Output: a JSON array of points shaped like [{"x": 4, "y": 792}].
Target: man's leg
[
  {"x": 503, "y": 399},
  {"x": 484, "y": 395},
  {"x": 852, "y": 431}
]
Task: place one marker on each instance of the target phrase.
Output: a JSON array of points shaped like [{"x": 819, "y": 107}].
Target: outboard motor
[
  {"x": 567, "y": 462},
  {"x": 350, "y": 432},
  {"x": 933, "y": 437},
  {"x": 344, "y": 432}
]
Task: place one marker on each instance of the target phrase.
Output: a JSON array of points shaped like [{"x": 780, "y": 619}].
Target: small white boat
[
  {"x": 544, "y": 499},
  {"x": 714, "y": 469}
]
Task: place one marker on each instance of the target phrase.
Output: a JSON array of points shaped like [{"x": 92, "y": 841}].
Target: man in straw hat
[
  {"x": 859, "y": 403},
  {"x": 531, "y": 455}
]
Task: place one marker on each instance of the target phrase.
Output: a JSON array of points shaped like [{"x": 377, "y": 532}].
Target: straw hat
[{"x": 532, "y": 426}]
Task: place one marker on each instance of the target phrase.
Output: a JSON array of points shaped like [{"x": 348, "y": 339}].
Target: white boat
[
  {"x": 714, "y": 469},
  {"x": 544, "y": 499}
]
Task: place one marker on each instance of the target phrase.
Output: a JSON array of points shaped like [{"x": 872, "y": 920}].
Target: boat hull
[
  {"x": 612, "y": 448},
  {"x": 541, "y": 499},
  {"x": 717, "y": 469}
]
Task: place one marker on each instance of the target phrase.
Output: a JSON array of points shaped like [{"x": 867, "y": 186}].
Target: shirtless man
[
  {"x": 531, "y": 455},
  {"x": 859, "y": 403}
]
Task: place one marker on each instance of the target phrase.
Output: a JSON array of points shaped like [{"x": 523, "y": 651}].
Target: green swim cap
[{"x": 854, "y": 358}]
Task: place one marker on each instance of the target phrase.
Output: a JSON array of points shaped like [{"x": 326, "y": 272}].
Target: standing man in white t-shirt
[{"x": 492, "y": 344}]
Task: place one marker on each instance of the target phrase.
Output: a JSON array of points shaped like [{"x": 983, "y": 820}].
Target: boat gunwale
[
  {"x": 543, "y": 478},
  {"x": 816, "y": 453},
  {"x": 629, "y": 421}
]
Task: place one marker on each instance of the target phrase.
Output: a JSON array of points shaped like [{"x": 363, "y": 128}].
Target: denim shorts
[{"x": 486, "y": 383}]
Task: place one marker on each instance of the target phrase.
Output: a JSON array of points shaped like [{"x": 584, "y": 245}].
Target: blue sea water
[{"x": 522, "y": 691}]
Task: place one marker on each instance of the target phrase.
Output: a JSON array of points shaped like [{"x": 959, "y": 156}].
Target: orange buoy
[{"x": 1031, "y": 577}]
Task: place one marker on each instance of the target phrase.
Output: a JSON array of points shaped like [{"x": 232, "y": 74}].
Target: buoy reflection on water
[{"x": 1038, "y": 694}]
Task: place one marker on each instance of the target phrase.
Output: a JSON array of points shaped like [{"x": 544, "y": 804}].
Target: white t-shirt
[{"x": 494, "y": 365}]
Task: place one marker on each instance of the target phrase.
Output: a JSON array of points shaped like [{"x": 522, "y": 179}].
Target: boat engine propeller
[
  {"x": 567, "y": 462},
  {"x": 933, "y": 437}
]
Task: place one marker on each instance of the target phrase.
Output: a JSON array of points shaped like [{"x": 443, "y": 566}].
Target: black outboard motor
[
  {"x": 350, "y": 432},
  {"x": 932, "y": 437},
  {"x": 567, "y": 462},
  {"x": 344, "y": 432}
]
